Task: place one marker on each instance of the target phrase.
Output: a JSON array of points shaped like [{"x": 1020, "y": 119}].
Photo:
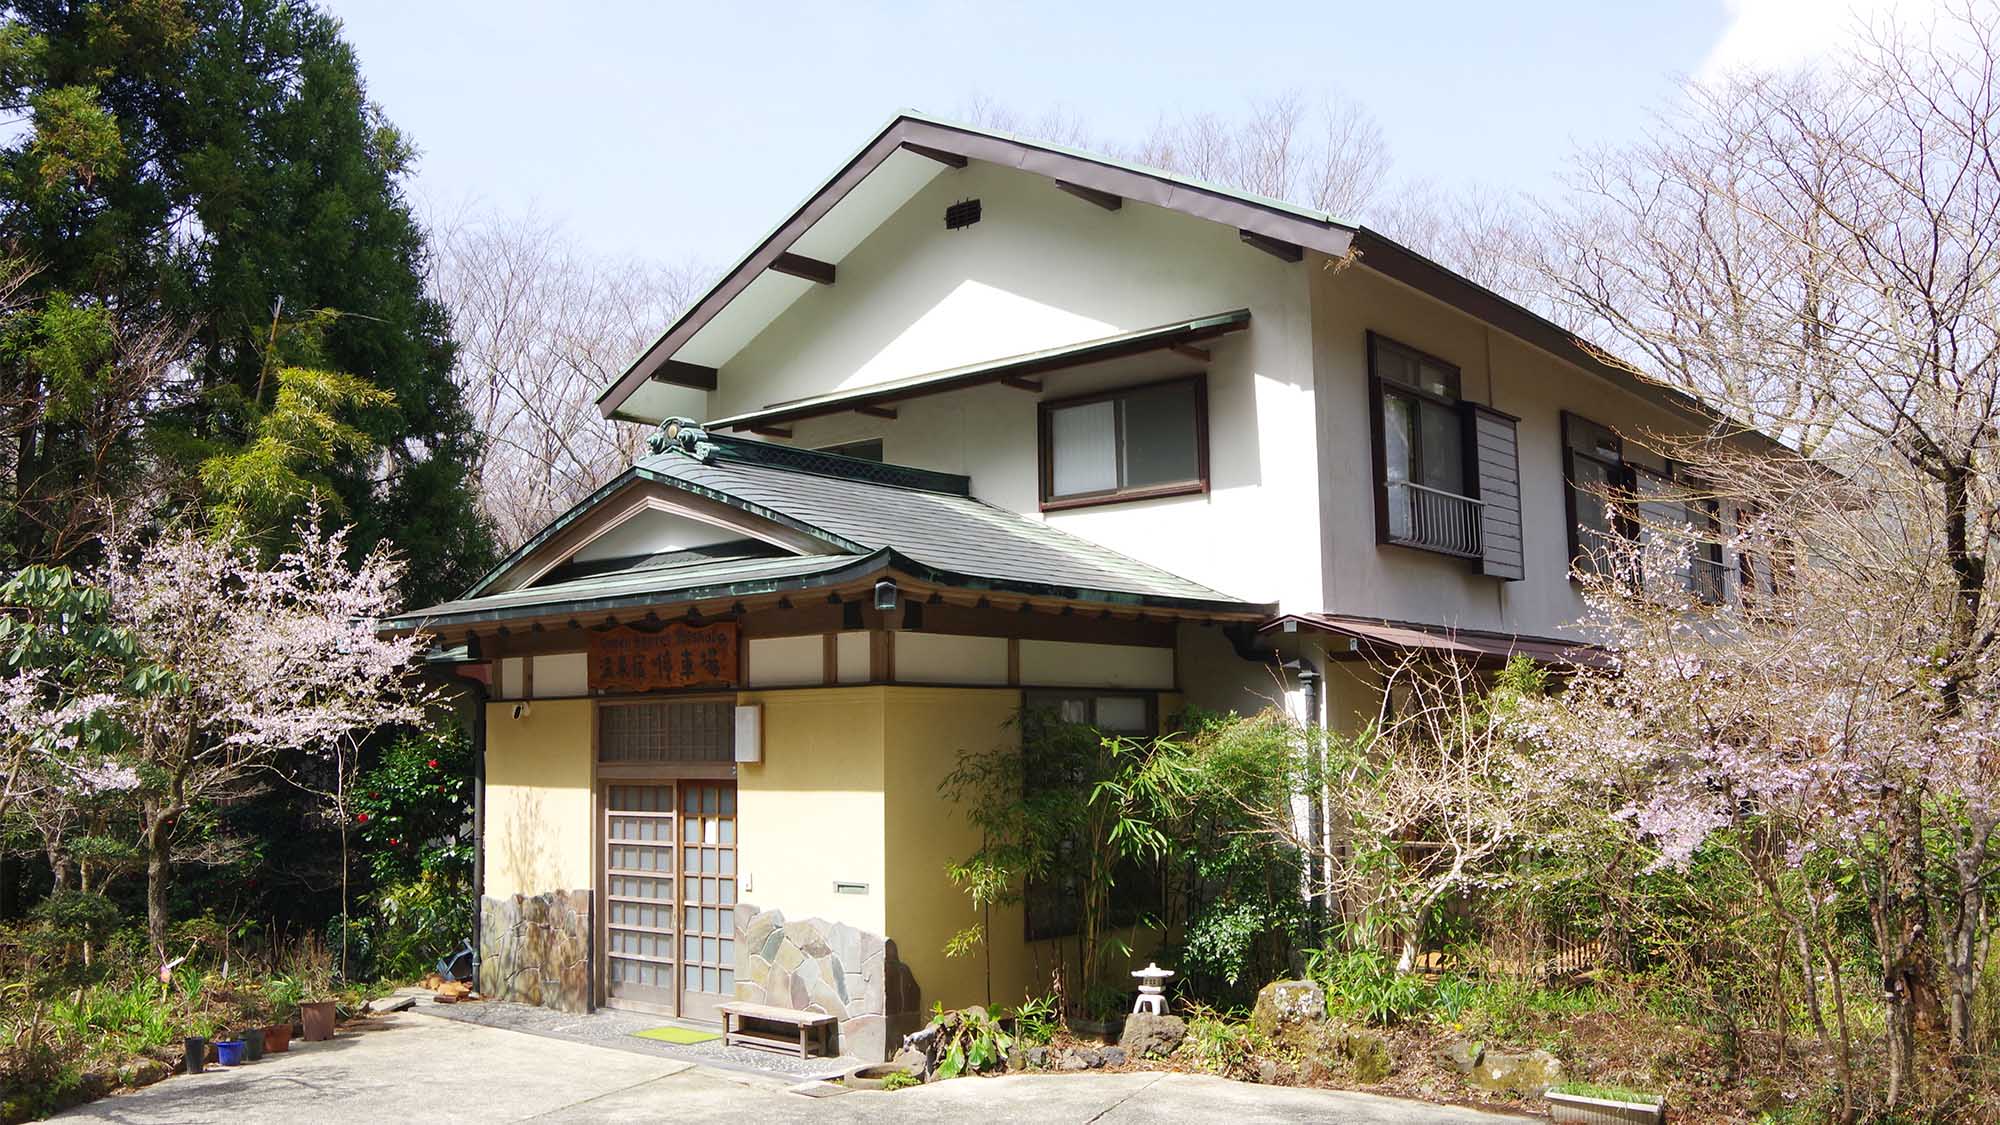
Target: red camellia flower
[
  {"x": 393, "y": 841},
  {"x": 361, "y": 817},
  {"x": 433, "y": 763}
]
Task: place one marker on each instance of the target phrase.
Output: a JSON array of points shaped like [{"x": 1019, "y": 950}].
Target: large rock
[
  {"x": 142, "y": 1072},
  {"x": 1460, "y": 1054},
  {"x": 1285, "y": 1008},
  {"x": 1147, "y": 1034},
  {"x": 1527, "y": 1072},
  {"x": 1367, "y": 1055}
]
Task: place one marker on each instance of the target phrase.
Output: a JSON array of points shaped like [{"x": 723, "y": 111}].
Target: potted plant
[
  {"x": 1592, "y": 1104},
  {"x": 278, "y": 1038},
  {"x": 317, "y": 1017}
]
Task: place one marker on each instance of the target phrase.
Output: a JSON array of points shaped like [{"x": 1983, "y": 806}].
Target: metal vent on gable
[{"x": 964, "y": 213}]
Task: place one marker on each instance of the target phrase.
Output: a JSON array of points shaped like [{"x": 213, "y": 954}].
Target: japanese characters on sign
[{"x": 678, "y": 656}]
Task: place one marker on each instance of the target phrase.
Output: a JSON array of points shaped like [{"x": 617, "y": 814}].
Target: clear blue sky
[{"x": 683, "y": 131}]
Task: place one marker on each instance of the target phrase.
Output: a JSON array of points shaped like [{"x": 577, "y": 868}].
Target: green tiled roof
[
  {"x": 870, "y": 516},
  {"x": 711, "y": 578},
  {"x": 950, "y": 531}
]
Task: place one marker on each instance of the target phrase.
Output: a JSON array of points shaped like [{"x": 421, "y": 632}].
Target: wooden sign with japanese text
[{"x": 678, "y": 656}]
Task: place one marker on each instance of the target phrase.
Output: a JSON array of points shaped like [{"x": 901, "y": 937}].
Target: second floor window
[
  {"x": 1423, "y": 499},
  {"x": 1615, "y": 501},
  {"x": 1594, "y": 473},
  {"x": 1128, "y": 444}
]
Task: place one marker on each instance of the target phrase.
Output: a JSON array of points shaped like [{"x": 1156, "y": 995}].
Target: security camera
[{"x": 521, "y": 710}]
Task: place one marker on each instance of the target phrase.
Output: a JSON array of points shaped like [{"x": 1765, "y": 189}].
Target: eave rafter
[
  {"x": 1025, "y": 372},
  {"x": 804, "y": 268},
  {"x": 1102, "y": 199}
]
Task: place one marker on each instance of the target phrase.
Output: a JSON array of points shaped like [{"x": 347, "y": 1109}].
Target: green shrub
[
  {"x": 416, "y": 923},
  {"x": 1362, "y": 983},
  {"x": 1037, "y": 1020},
  {"x": 1220, "y": 1044},
  {"x": 412, "y": 808},
  {"x": 969, "y": 1040}
]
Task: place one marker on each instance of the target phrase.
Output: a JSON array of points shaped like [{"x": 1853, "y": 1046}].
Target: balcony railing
[{"x": 1433, "y": 519}]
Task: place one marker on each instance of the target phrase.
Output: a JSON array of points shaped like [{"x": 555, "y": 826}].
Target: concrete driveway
[{"x": 413, "y": 1067}]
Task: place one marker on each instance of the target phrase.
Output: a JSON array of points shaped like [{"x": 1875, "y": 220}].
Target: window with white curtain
[{"x": 1126, "y": 444}]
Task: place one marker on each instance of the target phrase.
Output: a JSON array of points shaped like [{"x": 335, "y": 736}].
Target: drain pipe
[
  {"x": 1245, "y": 640},
  {"x": 476, "y": 675},
  {"x": 1319, "y": 800},
  {"x": 478, "y": 826}
]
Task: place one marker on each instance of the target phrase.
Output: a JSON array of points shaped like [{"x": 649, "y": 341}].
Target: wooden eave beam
[
  {"x": 800, "y": 266},
  {"x": 948, "y": 159},
  {"x": 772, "y": 431},
  {"x": 680, "y": 374},
  {"x": 1021, "y": 384},
  {"x": 1189, "y": 351},
  {"x": 1276, "y": 247},
  {"x": 1102, "y": 199},
  {"x": 888, "y": 412}
]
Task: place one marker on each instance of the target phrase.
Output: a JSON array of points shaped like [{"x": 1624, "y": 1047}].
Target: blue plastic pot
[{"x": 229, "y": 1052}]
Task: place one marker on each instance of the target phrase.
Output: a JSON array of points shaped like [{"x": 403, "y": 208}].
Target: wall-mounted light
[
  {"x": 886, "y": 595},
  {"x": 749, "y": 732}
]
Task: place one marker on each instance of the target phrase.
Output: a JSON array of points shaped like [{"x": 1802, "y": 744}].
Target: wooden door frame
[{"x": 603, "y": 775}]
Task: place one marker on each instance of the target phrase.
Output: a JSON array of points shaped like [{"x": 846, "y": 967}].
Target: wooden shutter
[{"x": 1494, "y": 476}]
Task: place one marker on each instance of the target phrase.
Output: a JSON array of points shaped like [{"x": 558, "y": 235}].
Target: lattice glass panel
[{"x": 669, "y": 731}]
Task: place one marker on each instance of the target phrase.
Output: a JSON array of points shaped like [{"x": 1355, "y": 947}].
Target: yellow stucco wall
[
  {"x": 927, "y": 729},
  {"x": 811, "y": 813},
  {"x": 848, "y": 791},
  {"x": 538, "y": 798}
]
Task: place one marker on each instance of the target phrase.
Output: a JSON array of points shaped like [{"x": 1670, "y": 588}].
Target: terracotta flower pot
[
  {"x": 318, "y": 1018},
  {"x": 278, "y": 1038}
]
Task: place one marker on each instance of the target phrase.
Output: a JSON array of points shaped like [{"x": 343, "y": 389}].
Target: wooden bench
[{"x": 769, "y": 1028}]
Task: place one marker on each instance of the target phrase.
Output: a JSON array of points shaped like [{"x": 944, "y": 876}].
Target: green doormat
[{"x": 681, "y": 1035}]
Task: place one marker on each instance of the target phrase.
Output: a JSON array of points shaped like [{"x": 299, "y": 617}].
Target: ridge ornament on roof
[{"x": 682, "y": 435}]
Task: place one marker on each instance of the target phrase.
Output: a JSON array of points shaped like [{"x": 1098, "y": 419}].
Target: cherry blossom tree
[
  {"x": 1815, "y": 252},
  {"x": 259, "y": 664}
]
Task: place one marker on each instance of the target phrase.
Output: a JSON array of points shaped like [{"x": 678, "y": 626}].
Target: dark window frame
[
  {"x": 1379, "y": 389},
  {"x": 1707, "y": 567},
  {"x": 1130, "y": 898},
  {"x": 1709, "y": 559},
  {"x": 1045, "y": 437},
  {"x": 1618, "y": 473}
]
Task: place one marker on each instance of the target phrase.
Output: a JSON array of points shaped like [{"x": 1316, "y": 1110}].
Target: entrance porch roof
[{"x": 852, "y": 522}]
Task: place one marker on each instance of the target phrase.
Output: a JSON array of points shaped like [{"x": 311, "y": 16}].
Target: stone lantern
[{"x": 1152, "y": 989}]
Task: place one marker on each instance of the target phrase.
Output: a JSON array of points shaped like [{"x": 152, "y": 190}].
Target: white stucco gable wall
[{"x": 1044, "y": 269}]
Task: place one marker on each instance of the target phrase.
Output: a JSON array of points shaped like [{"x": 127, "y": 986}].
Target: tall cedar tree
[{"x": 208, "y": 163}]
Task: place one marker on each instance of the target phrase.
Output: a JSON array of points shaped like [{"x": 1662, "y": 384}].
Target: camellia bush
[
  {"x": 413, "y": 810},
  {"x": 413, "y": 817}
]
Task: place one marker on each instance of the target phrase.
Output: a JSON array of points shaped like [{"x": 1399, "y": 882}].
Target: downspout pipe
[
  {"x": 1246, "y": 641},
  {"x": 475, "y": 674},
  {"x": 479, "y": 700}
]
